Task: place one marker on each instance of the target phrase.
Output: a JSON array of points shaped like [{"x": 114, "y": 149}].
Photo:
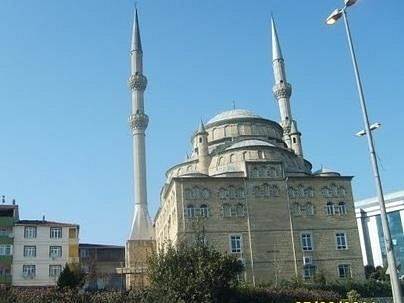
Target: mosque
[{"x": 249, "y": 188}]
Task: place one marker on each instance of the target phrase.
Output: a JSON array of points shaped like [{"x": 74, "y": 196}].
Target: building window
[
  {"x": 29, "y": 251},
  {"x": 56, "y": 232},
  {"x": 204, "y": 210},
  {"x": 6, "y": 249},
  {"x": 240, "y": 210},
  {"x": 190, "y": 211},
  {"x": 297, "y": 211},
  {"x": 307, "y": 242},
  {"x": 344, "y": 271},
  {"x": 329, "y": 209},
  {"x": 30, "y": 232},
  {"x": 309, "y": 209},
  {"x": 226, "y": 209},
  {"x": 55, "y": 270},
  {"x": 342, "y": 208},
  {"x": 341, "y": 241},
  {"x": 84, "y": 253},
  {"x": 55, "y": 251},
  {"x": 28, "y": 271},
  {"x": 308, "y": 272},
  {"x": 235, "y": 244},
  {"x": 4, "y": 232}
]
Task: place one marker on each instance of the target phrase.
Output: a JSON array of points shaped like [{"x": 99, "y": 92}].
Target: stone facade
[
  {"x": 137, "y": 252},
  {"x": 259, "y": 190}
]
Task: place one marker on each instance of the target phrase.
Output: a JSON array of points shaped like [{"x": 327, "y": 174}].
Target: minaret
[
  {"x": 142, "y": 227},
  {"x": 203, "y": 149},
  {"x": 282, "y": 91}
]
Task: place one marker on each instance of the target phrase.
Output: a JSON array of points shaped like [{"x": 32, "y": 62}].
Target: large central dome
[{"x": 233, "y": 114}]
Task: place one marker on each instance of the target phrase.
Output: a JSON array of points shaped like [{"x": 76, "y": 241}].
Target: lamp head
[
  {"x": 350, "y": 2},
  {"x": 334, "y": 16}
]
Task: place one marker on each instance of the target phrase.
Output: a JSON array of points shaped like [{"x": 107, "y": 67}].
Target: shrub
[
  {"x": 70, "y": 277},
  {"x": 192, "y": 273}
]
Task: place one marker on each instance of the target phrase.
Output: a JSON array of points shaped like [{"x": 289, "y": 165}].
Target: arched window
[
  {"x": 204, "y": 211},
  {"x": 226, "y": 210},
  {"x": 190, "y": 211},
  {"x": 240, "y": 210},
  {"x": 343, "y": 210},
  {"x": 215, "y": 134},
  {"x": 309, "y": 209},
  {"x": 329, "y": 209},
  {"x": 245, "y": 155},
  {"x": 232, "y": 192},
  {"x": 297, "y": 211},
  {"x": 223, "y": 194},
  {"x": 232, "y": 158}
]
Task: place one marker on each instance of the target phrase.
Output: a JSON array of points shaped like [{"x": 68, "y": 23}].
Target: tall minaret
[
  {"x": 204, "y": 158},
  {"x": 142, "y": 227},
  {"x": 282, "y": 91}
]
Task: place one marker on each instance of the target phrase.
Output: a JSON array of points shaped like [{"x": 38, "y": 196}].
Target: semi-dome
[
  {"x": 233, "y": 114},
  {"x": 326, "y": 172}
]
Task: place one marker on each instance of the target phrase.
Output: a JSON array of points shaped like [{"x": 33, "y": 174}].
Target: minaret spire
[
  {"x": 276, "y": 49},
  {"x": 282, "y": 91},
  {"x": 142, "y": 227}
]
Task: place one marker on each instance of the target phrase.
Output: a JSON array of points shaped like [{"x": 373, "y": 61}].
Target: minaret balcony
[
  {"x": 138, "y": 121},
  {"x": 282, "y": 90},
  {"x": 137, "y": 82}
]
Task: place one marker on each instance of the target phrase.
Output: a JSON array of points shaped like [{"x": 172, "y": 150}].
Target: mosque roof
[
  {"x": 326, "y": 171},
  {"x": 233, "y": 114},
  {"x": 247, "y": 143}
]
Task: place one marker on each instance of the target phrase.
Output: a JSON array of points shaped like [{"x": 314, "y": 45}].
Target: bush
[
  {"x": 192, "y": 273},
  {"x": 71, "y": 277},
  {"x": 244, "y": 295}
]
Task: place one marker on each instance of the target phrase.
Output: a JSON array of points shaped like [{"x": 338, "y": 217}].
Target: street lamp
[
  {"x": 372, "y": 127},
  {"x": 395, "y": 284}
]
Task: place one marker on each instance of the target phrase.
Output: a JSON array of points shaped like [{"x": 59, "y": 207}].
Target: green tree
[
  {"x": 192, "y": 273},
  {"x": 71, "y": 277},
  {"x": 369, "y": 269}
]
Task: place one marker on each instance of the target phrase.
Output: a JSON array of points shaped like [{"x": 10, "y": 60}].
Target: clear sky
[{"x": 64, "y": 102}]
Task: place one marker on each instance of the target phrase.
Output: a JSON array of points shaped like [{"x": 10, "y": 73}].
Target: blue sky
[{"x": 64, "y": 102}]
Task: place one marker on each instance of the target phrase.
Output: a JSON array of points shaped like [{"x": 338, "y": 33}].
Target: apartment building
[{"x": 41, "y": 251}]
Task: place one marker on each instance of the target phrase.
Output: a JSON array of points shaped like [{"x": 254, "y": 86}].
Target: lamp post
[{"x": 395, "y": 283}]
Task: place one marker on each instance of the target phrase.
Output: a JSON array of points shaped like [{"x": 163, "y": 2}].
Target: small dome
[
  {"x": 326, "y": 172},
  {"x": 248, "y": 143},
  {"x": 233, "y": 114}
]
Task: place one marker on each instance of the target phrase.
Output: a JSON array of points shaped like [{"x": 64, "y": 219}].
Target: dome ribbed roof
[{"x": 233, "y": 114}]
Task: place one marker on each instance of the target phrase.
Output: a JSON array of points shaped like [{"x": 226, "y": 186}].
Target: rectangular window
[
  {"x": 55, "y": 251},
  {"x": 30, "y": 232},
  {"x": 56, "y": 232},
  {"x": 308, "y": 272},
  {"x": 84, "y": 253},
  {"x": 341, "y": 241},
  {"x": 307, "y": 241},
  {"x": 55, "y": 270},
  {"x": 235, "y": 244},
  {"x": 6, "y": 249},
  {"x": 344, "y": 271},
  {"x": 29, "y": 251},
  {"x": 4, "y": 232},
  {"x": 28, "y": 271}
]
